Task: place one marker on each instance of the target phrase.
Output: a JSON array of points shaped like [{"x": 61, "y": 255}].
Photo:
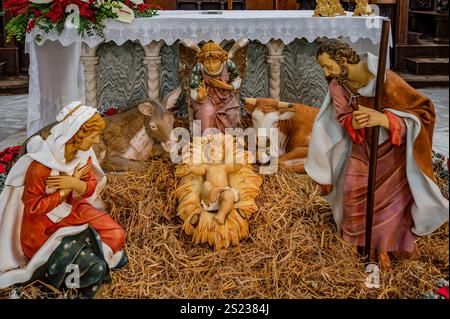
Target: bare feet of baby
[{"x": 220, "y": 218}]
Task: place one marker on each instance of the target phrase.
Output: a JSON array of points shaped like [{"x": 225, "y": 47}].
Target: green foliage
[
  {"x": 146, "y": 14},
  {"x": 16, "y": 27}
]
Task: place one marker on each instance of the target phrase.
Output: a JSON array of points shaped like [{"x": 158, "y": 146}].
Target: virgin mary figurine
[{"x": 51, "y": 217}]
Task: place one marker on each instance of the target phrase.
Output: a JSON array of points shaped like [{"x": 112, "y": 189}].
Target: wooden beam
[
  {"x": 376, "y": 1},
  {"x": 402, "y": 22},
  {"x": 259, "y": 5},
  {"x": 165, "y": 4}
]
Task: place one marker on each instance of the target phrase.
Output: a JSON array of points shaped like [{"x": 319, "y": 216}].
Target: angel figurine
[{"x": 213, "y": 84}]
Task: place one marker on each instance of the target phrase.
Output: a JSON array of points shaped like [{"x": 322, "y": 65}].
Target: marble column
[
  {"x": 275, "y": 60},
  {"x": 152, "y": 60},
  {"x": 90, "y": 61}
]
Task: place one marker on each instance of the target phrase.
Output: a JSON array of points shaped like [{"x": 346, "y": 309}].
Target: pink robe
[
  {"x": 392, "y": 220},
  {"x": 220, "y": 109}
]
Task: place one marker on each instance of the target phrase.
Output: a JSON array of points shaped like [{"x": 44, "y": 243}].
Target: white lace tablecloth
[
  {"x": 56, "y": 76},
  {"x": 254, "y": 25}
]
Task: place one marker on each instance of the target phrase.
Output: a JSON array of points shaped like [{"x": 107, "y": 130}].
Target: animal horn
[
  {"x": 249, "y": 104},
  {"x": 249, "y": 101},
  {"x": 284, "y": 105},
  {"x": 191, "y": 45}
]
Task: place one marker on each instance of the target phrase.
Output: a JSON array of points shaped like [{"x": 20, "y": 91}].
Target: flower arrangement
[
  {"x": 87, "y": 16},
  {"x": 7, "y": 158}
]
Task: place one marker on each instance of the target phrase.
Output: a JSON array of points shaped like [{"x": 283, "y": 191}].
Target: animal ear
[
  {"x": 171, "y": 98},
  {"x": 249, "y": 104},
  {"x": 146, "y": 108},
  {"x": 286, "y": 115}
]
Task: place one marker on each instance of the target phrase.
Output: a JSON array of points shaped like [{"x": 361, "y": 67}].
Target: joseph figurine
[{"x": 408, "y": 203}]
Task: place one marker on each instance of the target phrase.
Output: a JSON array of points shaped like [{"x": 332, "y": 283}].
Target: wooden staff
[
  {"x": 230, "y": 4},
  {"x": 382, "y": 58}
]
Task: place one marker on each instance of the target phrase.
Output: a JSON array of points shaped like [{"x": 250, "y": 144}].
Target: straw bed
[{"x": 293, "y": 251}]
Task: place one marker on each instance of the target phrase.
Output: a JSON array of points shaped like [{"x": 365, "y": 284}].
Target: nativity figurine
[
  {"x": 213, "y": 85},
  {"x": 408, "y": 203},
  {"x": 294, "y": 122},
  {"x": 51, "y": 214},
  {"x": 217, "y": 193}
]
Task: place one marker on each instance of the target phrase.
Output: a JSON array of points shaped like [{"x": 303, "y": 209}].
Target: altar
[{"x": 141, "y": 60}]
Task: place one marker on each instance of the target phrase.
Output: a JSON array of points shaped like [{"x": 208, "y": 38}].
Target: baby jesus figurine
[{"x": 216, "y": 192}]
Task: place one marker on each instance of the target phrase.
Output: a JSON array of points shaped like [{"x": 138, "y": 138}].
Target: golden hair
[
  {"x": 94, "y": 124},
  {"x": 214, "y": 50}
]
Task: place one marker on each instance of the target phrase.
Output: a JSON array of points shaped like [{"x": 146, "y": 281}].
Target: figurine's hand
[
  {"x": 66, "y": 182},
  {"x": 365, "y": 117},
  {"x": 82, "y": 172},
  {"x": 221, "y": 84},
  {"x": 183, "y": 170},
  {"x": 202, "y": 92}
]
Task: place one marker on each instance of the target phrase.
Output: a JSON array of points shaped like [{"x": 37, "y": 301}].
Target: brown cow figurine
[
  {"x": 294, "y": 121},
  {"x": 136, "y": 134}
]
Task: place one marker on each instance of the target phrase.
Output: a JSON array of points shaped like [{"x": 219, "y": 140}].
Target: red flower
[
  {"x": 110, "y": 111},
  {"x": 2, "y": 169},
  {"x": 16, "y": 7},
  {"x": 7, "y": 158},
  {"x": 13, "y": 149},
  {"x": 30, "y": 25},
  {"x": 143, "y": 7},
  {"x": 86, "y": 12}
]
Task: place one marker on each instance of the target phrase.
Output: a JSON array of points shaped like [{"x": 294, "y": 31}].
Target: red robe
[{"x": 37, "y": 227}]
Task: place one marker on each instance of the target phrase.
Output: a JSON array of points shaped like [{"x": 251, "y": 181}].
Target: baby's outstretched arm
[
  {"x": 198, "y": 169},
  {"x": 232, "y": 168}
]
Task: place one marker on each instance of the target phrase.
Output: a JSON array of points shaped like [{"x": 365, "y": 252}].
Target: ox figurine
[{"x": 294, "y": 122}]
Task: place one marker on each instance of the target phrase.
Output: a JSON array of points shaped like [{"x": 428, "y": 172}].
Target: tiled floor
[{"x": 13, "y": 118}]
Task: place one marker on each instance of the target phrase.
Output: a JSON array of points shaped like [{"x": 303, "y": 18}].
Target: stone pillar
[
  {"x": 90, "y": 61},
  {"x": 152, "y": 60},
  {"x": 275, "y": 59}
]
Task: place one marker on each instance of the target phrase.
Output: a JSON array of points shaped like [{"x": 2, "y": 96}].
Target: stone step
[
  {"x": 426, "y": 48},
  {"x": 14, "y": 84},
  {"x": 424, "y": 81},
  {"x": 429, "y": 13},
  {"x": 414, "y": 37},
  {"x": 427, "y": 66}
]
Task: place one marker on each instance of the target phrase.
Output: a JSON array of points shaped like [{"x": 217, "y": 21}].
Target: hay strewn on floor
[{"x": 293, "y": 251}]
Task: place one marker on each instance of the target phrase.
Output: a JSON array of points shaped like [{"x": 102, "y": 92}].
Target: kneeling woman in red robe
[{"x": 51, "y": 195}]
